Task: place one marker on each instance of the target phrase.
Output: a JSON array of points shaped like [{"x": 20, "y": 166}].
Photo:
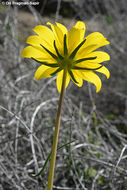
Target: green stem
[{"x": 56, "y": 135}]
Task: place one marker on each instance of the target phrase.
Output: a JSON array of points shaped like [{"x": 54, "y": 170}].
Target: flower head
[{"x": 57, "y": 50}]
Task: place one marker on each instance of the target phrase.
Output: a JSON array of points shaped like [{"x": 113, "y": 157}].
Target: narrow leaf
[
  {"x": 72, "y": 76},
  {"x": 58, "y": 54},
  {"x": 45, "y": 63},
  {"x": 65, "y": 45},
  {"x": 58, "y": 70},
  {"x": 85, "y": 59},
  {"x": 84, "y": 68},
  {"x": 48, "y": 158},
  {"x": 76, "y": 49},
  {"x": 52, "y": 54},
  {"x": 45, "y": 164}
]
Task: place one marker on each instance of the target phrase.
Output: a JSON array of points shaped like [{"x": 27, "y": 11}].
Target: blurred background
[{"x": 96, "y": 123}]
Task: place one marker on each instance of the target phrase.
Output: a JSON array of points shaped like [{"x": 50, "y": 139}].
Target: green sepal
[
  {"x": 85, "y": 59},
  {"x": 84, "y": 68},
  {"x": 76, "y": 49},
  {"x": 53, "y": 65},
  {"x": 58, "y": 54},
  {"x": 58, "y": 70},
  {"x": 52, "y": 54},
  {"x": 48, "y": 158},
  {"x": 65, "y": 45},
  {"x": 72, "y": 76}
]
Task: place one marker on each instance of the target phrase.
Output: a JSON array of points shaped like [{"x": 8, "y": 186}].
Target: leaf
[
  {"x": 85, "y": 59},
  {"x": 48, "y": 158},
  {"x": 72, "y": 76},
  {"x": 58, "y": 70},
  {"x": 76, "y": 49},
  {"x": 46, "y": 63},
  {"x": 58, "y": 54},
  {"x": 65, "y": 45},
  {"x": 84, "y": 68},
  {"x": 52, "y": 54}
]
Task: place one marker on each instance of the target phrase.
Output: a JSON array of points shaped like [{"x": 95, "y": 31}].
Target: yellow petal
[
  {"x": 34, "y": 40},
  {"x": 62, "y": 28},
  {"x": 87, "y": 64},
  {"x": 46, "y": 59},
  {"x": 37, "y": 41},
  {"x": 84, "y": 51},
  {"x": 93, "y": 41},
  {"x": 58, "y": 35},
  {"x": 78, "y": 77},
  {"x": 96, "y": 38},
  {"x": 93, "y": 78},
  {"x": 73, "y": 39},
  {"x": 76, "y": 35},
  {"x": 81, "y": 25},
  {"x": 44, "y": 33},
  {"x": 60, "y": 79},
  {"x": 30, "y": 51},
  {"x": 100, "y": 57},
  {"x": 43, "y": 72},
  {"x": 64, "y": 31}
]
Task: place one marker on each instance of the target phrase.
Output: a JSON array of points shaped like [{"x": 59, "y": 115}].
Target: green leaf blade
[
  {"x": 85, "y": 59},
  {"x": 49, "y": 52},
  {"x": 76, "y": 49},
  {"x": 53, "y": 65},
  {"x": 85, "y": 68}
]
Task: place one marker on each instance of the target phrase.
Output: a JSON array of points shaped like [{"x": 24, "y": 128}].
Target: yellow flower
[{"x": 57, "y": 50}]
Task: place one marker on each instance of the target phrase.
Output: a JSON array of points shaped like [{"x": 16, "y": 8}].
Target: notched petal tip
[
  {"x": 62, "y": 27},
  {"x": 80, "y": 25}
]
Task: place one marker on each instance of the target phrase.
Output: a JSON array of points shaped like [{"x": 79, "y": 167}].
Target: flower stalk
[{"x": 56, "y": 135}]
